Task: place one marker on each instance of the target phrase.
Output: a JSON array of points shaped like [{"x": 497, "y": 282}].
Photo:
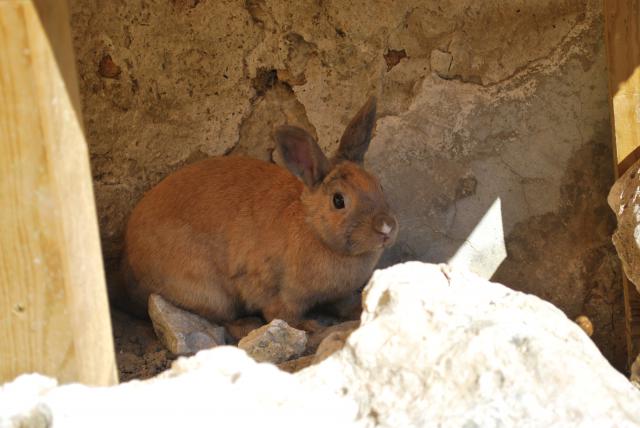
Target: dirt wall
[{"x": 492, "y": 142}]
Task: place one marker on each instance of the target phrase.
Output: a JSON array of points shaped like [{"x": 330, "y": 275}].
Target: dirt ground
[{"x": 139, "y": 354}]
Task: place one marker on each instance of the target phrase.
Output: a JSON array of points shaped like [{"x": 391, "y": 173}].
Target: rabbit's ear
[
  {"x": 355, "y": 140},
  {"x": 302, "y": 155}
]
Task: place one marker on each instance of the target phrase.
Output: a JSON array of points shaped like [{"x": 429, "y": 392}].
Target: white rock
[
  {"x": 275, "y": 342},
  {"x": 624, "y": 200},
  {"x": 20, "y": 404},
  {"x": 449, "y": 349},
  {"x": 217, "y": 387},
  {"x": 180, "y": 331},
  {"x": 437, "y": 348}
]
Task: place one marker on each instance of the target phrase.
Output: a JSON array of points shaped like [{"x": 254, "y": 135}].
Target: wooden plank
[
  {"x": 54, "y": 315},
  {"x": 622, "y": 36}
]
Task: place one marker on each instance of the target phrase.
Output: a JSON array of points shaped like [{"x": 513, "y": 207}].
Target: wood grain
[
  {"x": 54, "y": 316},
  {"x": 622, "y": 36}
]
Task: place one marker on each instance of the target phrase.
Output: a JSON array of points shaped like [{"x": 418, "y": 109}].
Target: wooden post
[
  {"x": 622, "y": 35},
  {"x": 54, "y": 315}
]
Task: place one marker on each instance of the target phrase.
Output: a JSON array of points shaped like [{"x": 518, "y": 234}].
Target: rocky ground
[
  {"x": 437, "y": 347},
  {"x": 141, "y": 353}
]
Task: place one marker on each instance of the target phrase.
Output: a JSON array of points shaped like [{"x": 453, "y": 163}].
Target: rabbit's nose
[{"x": 384, "y": 224}]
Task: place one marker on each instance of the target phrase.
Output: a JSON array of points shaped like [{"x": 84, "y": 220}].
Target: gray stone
[
  {"x": 275, "y": 342},
  {"x": 180, "y": 331}
]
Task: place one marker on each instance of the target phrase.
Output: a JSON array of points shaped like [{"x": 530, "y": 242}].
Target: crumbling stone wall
[{"x": 492, "y": 142}]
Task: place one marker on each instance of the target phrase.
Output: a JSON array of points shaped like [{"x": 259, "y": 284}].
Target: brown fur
[{"x": 231, "y": 236}]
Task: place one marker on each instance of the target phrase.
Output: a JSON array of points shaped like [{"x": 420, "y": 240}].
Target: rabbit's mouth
[
  {"x": 385, "y": 240},
  {"x": 364, "y": 237},
  {"x": 385, "y": 227},
  {"x": 386, "y": 232}
]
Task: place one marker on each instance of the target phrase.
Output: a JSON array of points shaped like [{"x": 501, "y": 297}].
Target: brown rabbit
[{"x": 230, "y": 236}]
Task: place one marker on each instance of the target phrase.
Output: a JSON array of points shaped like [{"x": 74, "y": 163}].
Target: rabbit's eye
[{"x": 338, "y": 201}]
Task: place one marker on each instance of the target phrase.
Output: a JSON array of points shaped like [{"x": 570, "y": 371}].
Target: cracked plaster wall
[{"x": 495, "y": 107}]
